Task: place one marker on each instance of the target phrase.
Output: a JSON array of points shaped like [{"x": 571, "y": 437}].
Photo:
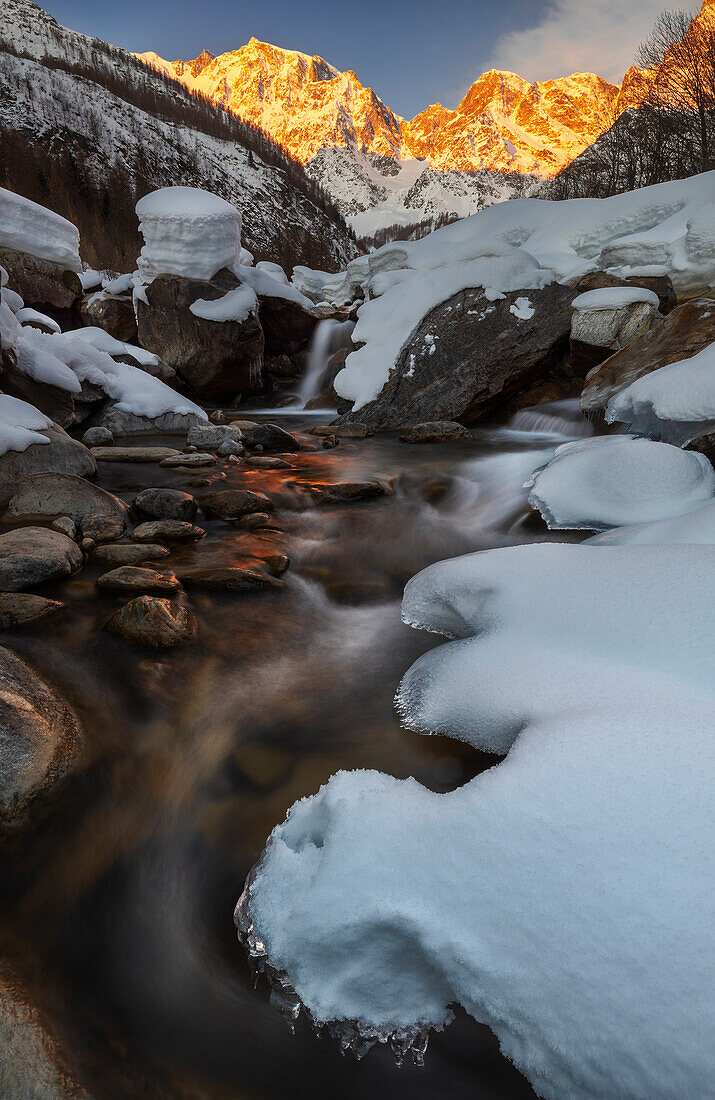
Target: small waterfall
[
  {"x": 329, "y": 336},
  {"x": 556, "y": 418}
]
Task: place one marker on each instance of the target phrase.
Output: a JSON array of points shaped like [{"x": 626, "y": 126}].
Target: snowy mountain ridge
[{"x": 382, "y": 169}]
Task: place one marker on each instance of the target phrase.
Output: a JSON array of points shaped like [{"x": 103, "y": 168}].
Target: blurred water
[{"x": 118, "y": 899}]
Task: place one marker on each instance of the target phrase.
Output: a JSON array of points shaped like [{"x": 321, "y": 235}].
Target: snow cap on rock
[{"x": 187, "y": 232}]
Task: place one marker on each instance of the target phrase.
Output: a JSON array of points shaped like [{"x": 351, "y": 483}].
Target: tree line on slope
[{"x": 671, "y": 135}]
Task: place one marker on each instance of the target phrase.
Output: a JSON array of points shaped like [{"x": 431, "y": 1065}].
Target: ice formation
[
  {"x": 21, "y": 424},
  {"x": 696, "y": 527},
  {"x": 613, "y": 297},
  {"x": 609, "y": 481},
  {"x": 564, "y": 897},
  {"x": 187, "y": 232},
  {"x": 28, "y": 227},
  {"x": 675, "y": 403}
]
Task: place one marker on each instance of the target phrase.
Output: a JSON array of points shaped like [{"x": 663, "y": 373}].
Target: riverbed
[{"x": 118, "y": 898}]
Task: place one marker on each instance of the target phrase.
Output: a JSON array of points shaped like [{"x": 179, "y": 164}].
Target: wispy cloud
[{"x": 595, "y": 36}]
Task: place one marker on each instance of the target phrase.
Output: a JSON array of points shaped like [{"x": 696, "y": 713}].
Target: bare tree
[{"x": 680, "y": 53}]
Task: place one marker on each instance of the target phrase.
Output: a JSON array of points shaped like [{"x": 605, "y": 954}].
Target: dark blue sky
[{"x": 412, "y": 52}]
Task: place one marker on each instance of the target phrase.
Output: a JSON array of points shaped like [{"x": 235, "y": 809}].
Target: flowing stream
[{"x": 117, "y": 901}]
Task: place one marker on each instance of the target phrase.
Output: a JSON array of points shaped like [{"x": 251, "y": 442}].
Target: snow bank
[
  {"x": 236, "y": 305},
  {"x": 675, "y": 403},
  {"x": 20, "y": 424},
  {"x": 11, "y": 299},
  {"x": 668, "y": 225},
  {"x": 28, "y": 227},
  {"x": 187, "y": 232},
  {"x": 102, "y": 340},
  {"x": 696, "y": 527},
  {"x": 564, "y": 897},
  {"x": 613, "y": 297},
  {"x": 612, "y": 480},
  {"x": 26, "y": 316},
  {"x": 265, "y": 283},
  {"x": 90, "y": 279}
]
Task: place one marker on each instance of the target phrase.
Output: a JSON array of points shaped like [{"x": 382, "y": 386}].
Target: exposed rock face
[
  {"x": 101, "y": 515},
  {"x": 286, "y": 325},
  {"x": 269, "y": 436},
  {"x": 209, "y": 437},
  {"x": 120, "y": 422},
  {"x": 112, "y": 312},
  {"x": 597, "y": 335},
  {"x": 43, "y": 285},
  {"x": 216, "y": 359},
  {"x": 686, "y": 331},
  {"x": 62, "y": 455},
  {"x": 479, "y": 356},
  {"x": 32, "y": 555},
  {"x": 153, "y": 621},
  {"x": 39, "y": 737}
]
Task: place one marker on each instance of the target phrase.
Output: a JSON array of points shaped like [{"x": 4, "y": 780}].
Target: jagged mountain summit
[
  {"x": 381, "y": 168},
  {"x": 87, "y": 129}
]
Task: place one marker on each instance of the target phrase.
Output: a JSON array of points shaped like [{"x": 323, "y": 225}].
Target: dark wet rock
[
  {"x": 209, "y": 437},
  {"x": 112, "y": 312},
  {"x": 485, "y": 356},
  {"x": 134, "y": 454},
  {"x": 262, "y": 463},
  {"x": 68, "y": 526},
  {"x": 18, "y": 608},
  {"x": 167, "y": 530},
  {"x": 43, "y": 285},
  {"x": 330, "y": 442},
  {"x": 231, "y": 449},
  {"x": 660, "y": 285},
  {"x": 62, "y": 455},
  {"x": 39, "y": 737},
  {"x": 138, "y": 579},
  {"x": 253, "y": 522},
  {"x": 189, "y": 461},
  {"x": 101, "y": 515},
  {"x": 87, "y": 545},
  {"x": 234, "y": 503},
  {"x": 56, "y": 403},
  {"x": 153, "y": 621},
  {"x": 98, "y": 437},
  {"x": 435, "y": 431},
  {"x": 277, "y": 564},
  {"x": 282, "y": 368},
  {"x": 354, "y": 430},
  {"x": 228, "y": 578},
  {"x": 271, "y": 437},
  {"x": 165, "y": 504},
  {"x": 347, "y": 492},
  {"x": 121, "y": 422},
  {"x": 32, "y": 555},
  {"x": 128, "y": 553},
  {"x": 682, "y": 334},
  {"x": 215, "y": 359},
  {"x": 286, "y": 325}
]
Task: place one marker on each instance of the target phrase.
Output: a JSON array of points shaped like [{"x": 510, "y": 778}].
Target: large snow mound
[
  {"x": 675, "y": 402},
  {"x": 668, "y": 225},
  {"x": 28, "y": 227},
  {"x": 21, "y": 424},
  {"x": 564, "y": 898},
  {"x": 187, "y": 232},
  {"x": 236, "y": 305},
  {"x": 696, "y": 527},
  {"x": 609, "y": 481}
]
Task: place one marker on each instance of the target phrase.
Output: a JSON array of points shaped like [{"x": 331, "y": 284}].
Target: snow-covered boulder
[
  {"x": 465, "y": 360},
  {"x": 30, "y": 444},
  {"x": 607, "y": 319},
  {"x": 208, "y": 331},
  {"x": 696, "y": 527},
  {"x": 288, "y": 318},
  {"x": 608, "y": 481},
  {"x": 187, "y": 232},
  {"x": 683, "y": 333},
  {"x": 675, "y": 403},
  {"x": 561, "y": 897},
  {"x": 112, "y": 312}
]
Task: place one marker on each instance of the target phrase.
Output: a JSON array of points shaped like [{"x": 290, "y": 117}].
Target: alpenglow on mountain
[{"x": 382, "y": 169}]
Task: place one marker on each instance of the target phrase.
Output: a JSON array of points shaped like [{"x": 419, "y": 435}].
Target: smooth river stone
[
  {"x": 178, "y": 460},
  {"x": 32, "y": 555},
  {"x": 135, "y": 579},
  {"x": 129, "y": 553},
  {"x": 153, "y": 621},
  {"x": 167, "y": 530},
  {"x": 134, "y": 454}
]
